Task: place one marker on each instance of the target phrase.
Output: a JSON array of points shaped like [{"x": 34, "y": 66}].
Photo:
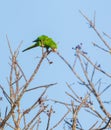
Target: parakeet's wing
[
  {"x": 53, "y": 45},
  {"x": 49, "y": 43}
]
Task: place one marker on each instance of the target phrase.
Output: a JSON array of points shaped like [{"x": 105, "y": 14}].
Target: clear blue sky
[{"x": 59, "y": 19}]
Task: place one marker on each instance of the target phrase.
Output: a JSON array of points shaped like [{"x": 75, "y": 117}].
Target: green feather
[{"x": 43, "y": 41}]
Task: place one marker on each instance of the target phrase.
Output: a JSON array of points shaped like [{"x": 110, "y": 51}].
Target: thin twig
[
  {"x": 67, "y": 63},
  {"x": 94, "y": 90},
  {"x": 24, "y": 89},
  {"x": 103, "y": 128},
  {"x": 33, "y": 119},
  {"x": 96, "y": 45},
  {"x": 107, "y": 35},
  {"x": 92, "y": 24},
  {"x": 6, "y": 95},
  {"x": 60, "y": 120},
  {"x": 39, "y": 100},
  {"x": 96, "y": 67},
  {"x": 49, "y": 117},
  {"x": 44, "y": 86}
]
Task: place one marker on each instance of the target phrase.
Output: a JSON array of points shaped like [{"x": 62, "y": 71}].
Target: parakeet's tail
[{"x": 35, "y": 45}]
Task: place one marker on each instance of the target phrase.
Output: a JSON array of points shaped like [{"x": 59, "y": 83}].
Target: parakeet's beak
[{"x": 54, "y": 50}]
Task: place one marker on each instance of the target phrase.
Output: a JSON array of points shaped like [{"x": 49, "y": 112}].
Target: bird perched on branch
[{"x": 44, "y": 42}]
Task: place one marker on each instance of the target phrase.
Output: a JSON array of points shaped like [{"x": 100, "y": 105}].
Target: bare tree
[
  {"x": 17, "y": 91},
  {"x": 91, "y": 102},
  {"x": 94, "y": 89}
]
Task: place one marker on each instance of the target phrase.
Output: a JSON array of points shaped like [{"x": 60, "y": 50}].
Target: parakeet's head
[{"x": 54, "y": 47}]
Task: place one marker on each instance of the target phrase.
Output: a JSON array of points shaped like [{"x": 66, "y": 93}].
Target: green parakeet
[{"x": 44, "y": 41}]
